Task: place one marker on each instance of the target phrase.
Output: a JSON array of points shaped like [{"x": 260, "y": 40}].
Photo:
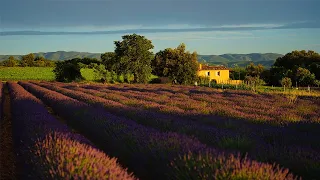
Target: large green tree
[
  {"x": 40, "y": 61},
  {"x": 254, "y": 70},
  {"x": 11, "y": 62},
  {"x": 296, "y": 59},
  {"x": 237, "y": 72},
  {"x": 288, "y": 65},
  {"x": 28, "y": 60},
  {"x": 177, "y": 64},
  {"x": 133, "y": 56},
  {"x": 305, "y": 77},
  {"x": 109, "y": 61},
  {"x": 69, "y": 70}
]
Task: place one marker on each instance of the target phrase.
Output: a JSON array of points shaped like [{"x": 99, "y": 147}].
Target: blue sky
[{"x": 205, "y": 26}]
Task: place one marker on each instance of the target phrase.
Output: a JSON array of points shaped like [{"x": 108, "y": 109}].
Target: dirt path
[{"x": 7, "y": 166}]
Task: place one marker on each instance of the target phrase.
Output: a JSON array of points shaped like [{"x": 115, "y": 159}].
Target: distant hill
[
  {"x": 266, "y": 59},
  {"x": 228, "y": 60},
  {"x": 59, "y": 55}
]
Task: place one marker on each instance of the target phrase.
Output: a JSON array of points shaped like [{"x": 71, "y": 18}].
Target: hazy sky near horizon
[{"x": 206, "y": 26}]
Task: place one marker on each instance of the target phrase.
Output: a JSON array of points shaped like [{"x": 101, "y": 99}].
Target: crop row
[
  {"x": 207, "y": 134},
  {"x": 234, "y": 104},
  {"x": 290, "y": 148},
  {"x": 151, "y": 154},
  {"x": 243, "y": 126},
  {"x": 46, "y": 149},
  {"x": 193, "y": 101},
  {"x": 228, "y": 127}
]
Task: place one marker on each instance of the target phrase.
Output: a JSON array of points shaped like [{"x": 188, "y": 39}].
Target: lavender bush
[
  {"x": 206, "y": 166},
  {"x": 206, "y": 134},
  {"x": 144, "y": 150},
  {"x": 270, "y": 139},
  {"x": 46, "y": 149}
]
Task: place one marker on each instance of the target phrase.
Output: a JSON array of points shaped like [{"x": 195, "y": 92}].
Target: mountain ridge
[{"x": 230, "y": 59}]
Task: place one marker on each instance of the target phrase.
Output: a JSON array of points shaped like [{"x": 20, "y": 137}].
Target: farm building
[{"x": 218, "y": 73}]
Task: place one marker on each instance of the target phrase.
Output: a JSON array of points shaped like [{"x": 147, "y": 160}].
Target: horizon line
[
  {"x": 111, "y": 51},
  {"x": 147, "y": 30}
]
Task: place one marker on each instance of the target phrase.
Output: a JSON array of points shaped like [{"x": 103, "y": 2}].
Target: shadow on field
[{"x": 294, "y": 145}]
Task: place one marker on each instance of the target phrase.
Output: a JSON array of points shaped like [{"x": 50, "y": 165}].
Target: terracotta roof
[{"x": 206, "y": 67}]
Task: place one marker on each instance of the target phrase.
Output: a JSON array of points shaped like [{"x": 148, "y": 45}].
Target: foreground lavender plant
[
  {"x": 206, "y": 166},
  {"x": 292, "y": 144},
  {"x": 46, "y": 149},
  {"x": 261, "y": 141},
  {"x": 164, "y": 122},
  {"x": 238, "y": 104},
  {"x": 64, "y": 158},
  {"x": 144, "y": 150}
]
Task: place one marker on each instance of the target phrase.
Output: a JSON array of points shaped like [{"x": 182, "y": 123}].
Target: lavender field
[{"x": 52, "y": 130}]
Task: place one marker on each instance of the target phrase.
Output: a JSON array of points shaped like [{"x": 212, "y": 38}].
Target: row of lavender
[
  {"x": 152, "y": 102},
  {"x": 193, "y": 101},
  {"x": 46, "y": 149},
  {"x": 207, "y": 134},
  {"x": 290, "y": 148},
  {"x": 149, "y": 153},
  {"x": 228, "y": 103},
  {"x": 294, "y": 131},
  {"x": 195, "y": 104}
]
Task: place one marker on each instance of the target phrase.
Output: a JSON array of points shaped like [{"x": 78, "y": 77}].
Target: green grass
[
  {"x": 40, "y": 73},
  {"x": 26, "y": 73},
  {"x": 36, "y": 73},
  {"x": 289, "y": 92},
  {"x": 88, "y": 74}
]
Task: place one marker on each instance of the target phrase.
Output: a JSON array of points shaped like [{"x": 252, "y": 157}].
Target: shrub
[
  {"x": 67, "y": 72},
  {"x": 64, "y": 158},
  {"x": 203, "y": 80},
  {"x": 210, "y": 166},
  {"x": 255, "y": 81},
  {"x": 286, "y": 82}
]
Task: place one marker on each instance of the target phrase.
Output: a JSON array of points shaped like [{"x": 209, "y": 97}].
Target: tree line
[
  {"x": 132, "y": 61},
  {"x": 297, "y": 68},
  {"x": 28, "y": 60}
]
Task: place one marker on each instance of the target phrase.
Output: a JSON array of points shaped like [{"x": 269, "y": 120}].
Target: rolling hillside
[
  {"x": 228, "y": 60},
  {"x": 59, "y": 55},
  {"x": 242, "y": 60}
]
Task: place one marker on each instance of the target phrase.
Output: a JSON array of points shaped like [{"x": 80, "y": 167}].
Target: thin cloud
[
  {"x": 311, "y": 45},
  {"x": 164, "y": 29},
  {"x": 254, "y": 25},
  {"x": 194, "y": 36}
]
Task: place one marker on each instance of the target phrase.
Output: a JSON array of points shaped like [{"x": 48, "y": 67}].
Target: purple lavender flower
[
  {"x": 144, "y": 150},
  {"x": 46, "y": 148}
]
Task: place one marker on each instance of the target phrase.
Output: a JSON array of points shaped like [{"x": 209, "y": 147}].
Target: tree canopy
[
  {"x": 177, "y": 64},
  {"x": 109, "y": 61},
  {"x": 254, "y": 70},
  {"x": 27, "y": 60},
  {"x": 302, "y": 67},
  {"x": 69, "y": 70},
  {"x": 11, "y": 62},
  {"x": 132, "y": 56}
]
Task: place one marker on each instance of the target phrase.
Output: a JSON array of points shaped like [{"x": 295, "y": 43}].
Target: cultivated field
[
  {"x": 36, "y": 73},
  {"x": 156, "y": 132}
]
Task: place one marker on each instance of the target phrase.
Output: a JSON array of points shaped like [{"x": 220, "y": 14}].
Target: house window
[
  {"x": 208, "y": 73},
  {"x": 218, "y": 73}
]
